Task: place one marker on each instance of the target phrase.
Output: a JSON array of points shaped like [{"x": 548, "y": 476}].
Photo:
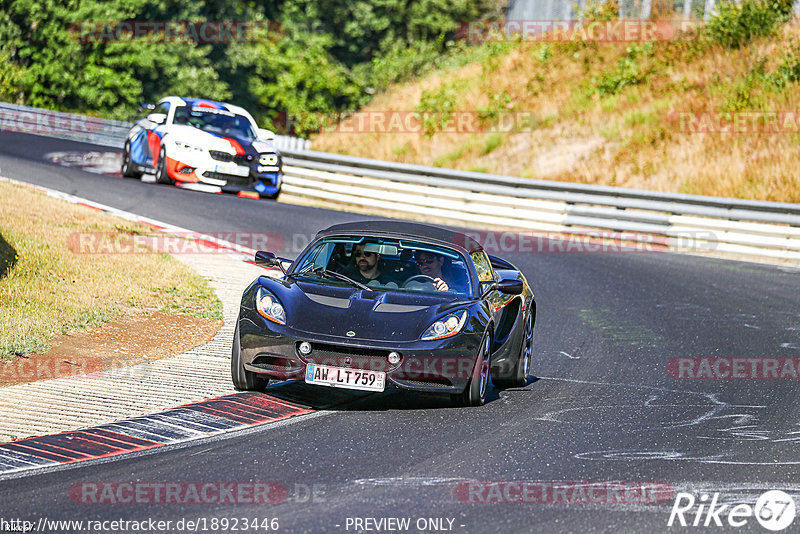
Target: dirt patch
[{"x": 134, "y": 339}]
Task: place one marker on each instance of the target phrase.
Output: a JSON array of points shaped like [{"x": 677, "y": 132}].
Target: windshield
[
  {"x": 386, "y": 264},
  {"x": 216, "y": 121}
]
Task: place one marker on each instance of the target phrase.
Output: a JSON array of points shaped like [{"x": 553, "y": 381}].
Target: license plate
[{"x": 341, "y": 377}]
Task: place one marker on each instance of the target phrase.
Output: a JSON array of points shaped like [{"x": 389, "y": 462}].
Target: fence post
[
  {"x": 647, "y": 8},
  {"x": 709, "y": 10}
]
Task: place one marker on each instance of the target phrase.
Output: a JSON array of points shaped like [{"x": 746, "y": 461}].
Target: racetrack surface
[{"x": 602, "y": 408}]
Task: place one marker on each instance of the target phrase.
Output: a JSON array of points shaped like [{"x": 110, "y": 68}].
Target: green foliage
[
  {"x": 628, "y": 72},
  {"x": 788, "y": 72},
  {"x": 736, "y": 24},
  {"x": 492, "y": 143},
  {"x": 437, "y": 107},
  {"x": 498, "y": 103},
  {"x": 330, "y": 56}
]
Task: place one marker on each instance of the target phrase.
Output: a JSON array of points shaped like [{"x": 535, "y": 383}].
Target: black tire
[
  {"x": 128, "y": 169},
  {"x": 242, "y": 378},
  {"x": 162, "y": 177},
  {"x": 518, "y": 377},
  {"x": 475, "y": 392}
]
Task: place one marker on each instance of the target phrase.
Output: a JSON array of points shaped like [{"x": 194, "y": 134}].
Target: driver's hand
[{"x": 440, "y": 284}]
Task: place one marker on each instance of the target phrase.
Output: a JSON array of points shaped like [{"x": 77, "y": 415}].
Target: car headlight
[
  {"x": 447, "y": 326},
  {"x": 269, "y": 307},
  {"x": 268, "y": 159},
  {"x": 184, "y": 146}
]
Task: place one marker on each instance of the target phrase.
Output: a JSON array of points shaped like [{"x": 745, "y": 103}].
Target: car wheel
[
  {"x": 128, "y": 170},
  {"x": 475, "y": 392},
  {"x": 519, "y": 374},
  {"x": 242, "y": 378},
  {"x": 162, "y": 177}
]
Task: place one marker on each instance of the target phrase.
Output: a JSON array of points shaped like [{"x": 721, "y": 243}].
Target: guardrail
[
  {"x": 686, "y": 222},
  {"x": 683, "y": 222}
]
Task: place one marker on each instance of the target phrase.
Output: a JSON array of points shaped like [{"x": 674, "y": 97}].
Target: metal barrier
[{"x": 685, "y": 222}]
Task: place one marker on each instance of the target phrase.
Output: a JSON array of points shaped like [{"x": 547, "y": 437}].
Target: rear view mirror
[
  {"x": 266, "y": 135},
  {"x": 383, "y": 250}
]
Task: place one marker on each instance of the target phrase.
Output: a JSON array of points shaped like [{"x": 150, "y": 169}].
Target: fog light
[
  {"x": 394, "y": 358},
  {"x": 305, "y": 348}
]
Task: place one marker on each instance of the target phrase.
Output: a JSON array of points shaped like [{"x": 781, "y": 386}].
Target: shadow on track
[{"x": 320, "y": 398}]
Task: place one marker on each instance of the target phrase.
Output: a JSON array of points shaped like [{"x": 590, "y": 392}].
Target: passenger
[{"x": 430, "y": 264}]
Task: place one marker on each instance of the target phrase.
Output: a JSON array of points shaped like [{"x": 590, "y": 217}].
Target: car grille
[
  {"x": 231, "y": 179},
  {"x": 239, "y": 159},
  {"x": 352, "y": 357}
]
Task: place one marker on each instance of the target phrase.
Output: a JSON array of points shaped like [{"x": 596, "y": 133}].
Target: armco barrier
[{"x": 756, "y": 228}]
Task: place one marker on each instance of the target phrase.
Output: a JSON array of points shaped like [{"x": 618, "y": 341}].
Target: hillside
[{"x": 711, "y": 111}]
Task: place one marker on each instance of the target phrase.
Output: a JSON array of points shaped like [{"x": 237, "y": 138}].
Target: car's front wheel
[
  {"x": 162, "y": 177},
  {"x": 242, "y": 378},
  {"x": 128, "y": 168},
  {"x": 518, "y": 377},
  {"x": 475, "y": 392}
]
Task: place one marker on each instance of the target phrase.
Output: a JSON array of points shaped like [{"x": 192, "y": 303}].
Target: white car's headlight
[
  {"x": 185, "y": 146},
  {"x": 447, "y": 326},
  {"x": 269, "y": 307},
  {"x": 268, "y": 159}
]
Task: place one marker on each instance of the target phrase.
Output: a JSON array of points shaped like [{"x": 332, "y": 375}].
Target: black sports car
[{"x": 379, "y": 304}]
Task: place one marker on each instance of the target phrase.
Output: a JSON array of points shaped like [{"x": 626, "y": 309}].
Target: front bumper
[
  {"x": 227, "y": 176},
  {"x": 427, "y": 366}
]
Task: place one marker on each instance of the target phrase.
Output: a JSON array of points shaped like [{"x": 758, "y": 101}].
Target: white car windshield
[{"x": 215, "y": 121}]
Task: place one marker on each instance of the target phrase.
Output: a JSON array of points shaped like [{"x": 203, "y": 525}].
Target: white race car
[{"x": 204, "y": 145}]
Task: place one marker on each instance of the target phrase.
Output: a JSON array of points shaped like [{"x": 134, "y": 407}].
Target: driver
[
  {"x": 368, "y": 267},
  {"x": 430, "y": 264}
]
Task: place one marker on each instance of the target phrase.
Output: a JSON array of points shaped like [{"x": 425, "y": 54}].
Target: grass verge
[{"x": 46, "y": 289}]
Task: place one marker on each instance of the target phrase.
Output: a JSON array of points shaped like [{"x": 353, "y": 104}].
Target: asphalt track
[{"x": 602, "y": 407}]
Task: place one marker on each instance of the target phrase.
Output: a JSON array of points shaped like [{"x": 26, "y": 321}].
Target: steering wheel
[{"x": 427, "y": 278}]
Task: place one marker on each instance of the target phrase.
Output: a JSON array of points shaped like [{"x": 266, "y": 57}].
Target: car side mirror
[
  {"x": 510, "y": 286},
  {"x": 268, "y": 259},
  {"x": 266, "y": 135},
  {"x": 158, "y": 118}
]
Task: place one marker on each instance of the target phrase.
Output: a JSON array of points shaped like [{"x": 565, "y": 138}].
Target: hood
[
  {"x": 196, "y": 136},
  {"x": 371, "y": 315}
]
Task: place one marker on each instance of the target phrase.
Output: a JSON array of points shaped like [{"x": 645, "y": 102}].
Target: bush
[
  {"x": 627, "y": 73},
  {"x": 736, "y": 24}
]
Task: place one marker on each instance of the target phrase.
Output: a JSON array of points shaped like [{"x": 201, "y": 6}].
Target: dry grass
[
  {"x": 632, "y": 138},
  {"x": 46, "y": 289}
]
